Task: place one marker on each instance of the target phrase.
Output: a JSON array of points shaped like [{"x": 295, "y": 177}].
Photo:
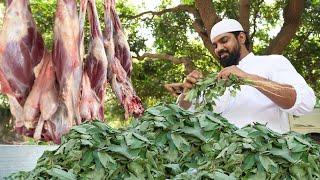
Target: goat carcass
[
  {"x": 95, "y": 69},
  {"x": 21, "y": 49},
  {"x": 117, "y": 76}
]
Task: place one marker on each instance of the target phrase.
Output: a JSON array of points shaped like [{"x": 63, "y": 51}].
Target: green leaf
[
  {"x": 101, "y": 125},
  {"x": 141, "y": 137},
  {"x": 214, "y": 119},
  {"x": 232, "y": 148},
  {"x": 172, "y": 154},
  {"x": 179, "y": 141},
  {"x": 302, "y": 141},
  {"x": 160, "y": 124},
  {"x": 298, "y": 172},
  {"x": 87, "y": 158},
  {"x": 222, "y": 153},
  {"x": 222, "y": 176},
  {"x": 105, "y": 159},
  {"x": 80, "y": 129},
  {"x": 133, "y": 142},
  {"x": 99, "y": 173},
  {"x": 122, "y": 150},
  {"x": 151, "y": 160},
  {"x": 249, "y": 161},
  {"x": 242, "y": 133},
  {"x": 86, "y": 142},
  {"x": 175, "y": 168},
  {"x": 196, "y": 132},
  {"x": 312, "y": 160},
  {"x": 153, "y": 111},
  {"x": 268, "y": 164},
  {"x": 260, "y": 175},
  {"x": 161, "y": 139},
  {"x": 61, "y": 174},
  {"x": 136, "y": 168},
  {"x": 284, "y": 153}
]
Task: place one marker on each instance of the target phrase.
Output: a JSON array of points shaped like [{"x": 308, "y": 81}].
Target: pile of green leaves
[
  {"x": 168, "y": 142},
  {"x": 171, "y": 143}
]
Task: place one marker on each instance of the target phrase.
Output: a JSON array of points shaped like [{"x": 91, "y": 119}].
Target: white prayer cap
[{"x": 224, "y": 26}]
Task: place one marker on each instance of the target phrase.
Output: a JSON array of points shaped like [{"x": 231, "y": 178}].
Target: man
[{"x": 278, "y": 90}]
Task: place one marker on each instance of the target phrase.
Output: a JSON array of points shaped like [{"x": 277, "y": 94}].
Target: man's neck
[{"x": 243, "y": 53}]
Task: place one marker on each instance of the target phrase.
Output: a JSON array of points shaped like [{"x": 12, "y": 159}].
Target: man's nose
[{"x": 219, "y": 48}]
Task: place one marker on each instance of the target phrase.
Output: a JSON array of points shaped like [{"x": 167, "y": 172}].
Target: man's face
[{"x": 227, "y": 49}]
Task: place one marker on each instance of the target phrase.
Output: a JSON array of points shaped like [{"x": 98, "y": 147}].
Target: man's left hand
[{"x": 226, "y": 72}]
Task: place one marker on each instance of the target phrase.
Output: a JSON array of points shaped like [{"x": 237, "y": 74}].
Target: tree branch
[
  {"x": 205, "y": 17},
  {"x": 204, "y": 36},
  {"x": 244, "y": 14},
  {"x": 292, "y": 16},
  {"x": 208, "y": 14},
  {"x": 179, "y": 8},
  {"x": 189, "y": 65},
  {"x": 255, "y": 16}
]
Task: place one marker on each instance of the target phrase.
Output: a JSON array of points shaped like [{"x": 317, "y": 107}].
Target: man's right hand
[
  {"x": 178, "y": 88},
  {"x": 191, "y": 80}
]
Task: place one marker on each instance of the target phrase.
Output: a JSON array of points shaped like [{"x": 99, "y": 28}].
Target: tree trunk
[{"x": 244, "y": 14}]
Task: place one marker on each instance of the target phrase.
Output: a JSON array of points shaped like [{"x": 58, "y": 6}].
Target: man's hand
[
  {"x": 175, "y": 88},
  {"x": 191, "y": 80},
  {"x": 178, "y": 88},
  {"x": 226, "y": 72}
]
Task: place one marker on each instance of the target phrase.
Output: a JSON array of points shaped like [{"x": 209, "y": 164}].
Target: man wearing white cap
[{"x": 278, "y": 89}]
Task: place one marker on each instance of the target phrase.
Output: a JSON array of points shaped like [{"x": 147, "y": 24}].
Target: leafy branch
[{"x": 208, "y": 89}]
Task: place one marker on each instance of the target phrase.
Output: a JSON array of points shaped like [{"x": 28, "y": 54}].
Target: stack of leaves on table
[{"x": 171, "y": 143}]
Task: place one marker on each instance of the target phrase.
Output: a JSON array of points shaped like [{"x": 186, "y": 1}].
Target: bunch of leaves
[
  {"x": 209, "y": 88},
  {"x": 171, "y": 143}
]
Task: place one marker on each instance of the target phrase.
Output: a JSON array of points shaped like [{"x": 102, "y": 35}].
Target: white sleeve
[{"x": 284, "y": 72}]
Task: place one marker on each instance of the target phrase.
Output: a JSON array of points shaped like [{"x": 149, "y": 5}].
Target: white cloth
[
  {"x": 250, "y": 105},
  {"x": 224, "y": 26}
]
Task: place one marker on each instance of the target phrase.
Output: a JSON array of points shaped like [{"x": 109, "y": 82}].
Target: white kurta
[{"x": 250, "y": 105}]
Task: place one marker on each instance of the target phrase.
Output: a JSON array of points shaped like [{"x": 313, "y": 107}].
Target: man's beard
[{"x": 232, "y": 58}]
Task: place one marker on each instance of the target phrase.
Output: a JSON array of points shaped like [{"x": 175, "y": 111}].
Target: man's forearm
[{"x": 281, "y": 94}]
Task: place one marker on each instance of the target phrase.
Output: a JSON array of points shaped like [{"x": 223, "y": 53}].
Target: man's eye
[
  {"x": 214, "y": 46},
  {"x": 224, "y": 40}
]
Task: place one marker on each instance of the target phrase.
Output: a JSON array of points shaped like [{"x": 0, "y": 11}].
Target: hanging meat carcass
[
  {"x": 48, "y": 106},
  {"x": 68, "y": 66},
  {"x": 122, "y": 50},
  {"x": 21, "y": 49},
  {"x": 95, "y": 76},
  {"x": 117, "y": 76},
  {"x": 52, "y": 107}
]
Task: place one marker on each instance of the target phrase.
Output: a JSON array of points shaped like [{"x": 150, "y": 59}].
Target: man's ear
[{"x": 242, "y": 37}]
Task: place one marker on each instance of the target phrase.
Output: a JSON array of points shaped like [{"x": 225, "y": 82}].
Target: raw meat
[{"x": 117, "y": 76}]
